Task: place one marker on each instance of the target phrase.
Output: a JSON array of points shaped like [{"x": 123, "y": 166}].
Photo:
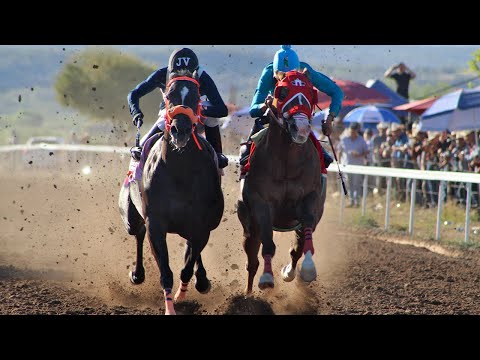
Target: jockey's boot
[
  {"x": 246, "y": 146},
  {"x": 136, "y": 152},
  {"x": 213, "y": 136}
]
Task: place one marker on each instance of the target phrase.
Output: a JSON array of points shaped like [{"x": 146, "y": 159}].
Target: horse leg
[
  {"x": 251, "y": 245},
  {"x": 134, "y": 225},
  {"x": 289, "y": 271},
  {"x": 192, "y": 252},
  {"x": 308, "y": 272},
  {"x": 158, "y": 243},
  {"x": 184, "y": 275},
  {"x": 251, "y": 241},
  {"x": 137, "y": 276},
  {"x": 202, "y": 283},
  {"x": 263, "y": 222}
]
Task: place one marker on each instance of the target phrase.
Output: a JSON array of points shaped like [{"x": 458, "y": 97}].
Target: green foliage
[
  {"x": 421, "y": 92},
  {"x": 367, "y": 221},
  {"x": 474, "y": 63},
  {"x": 96, "y": 82}
]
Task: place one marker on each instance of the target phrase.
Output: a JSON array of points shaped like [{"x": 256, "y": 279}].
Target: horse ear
[{"x": 195, "y": 75}]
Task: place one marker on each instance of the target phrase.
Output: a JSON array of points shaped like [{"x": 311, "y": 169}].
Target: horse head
[
  {"x": 182, "y": 100},
  {"x": 294, "y": 99},
  {"x": 295, "y": 117}
]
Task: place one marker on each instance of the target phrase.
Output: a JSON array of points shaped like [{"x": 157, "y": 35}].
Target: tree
[
  {"x": 96, "y": 82},
  {"x": 474, "y": 63}
]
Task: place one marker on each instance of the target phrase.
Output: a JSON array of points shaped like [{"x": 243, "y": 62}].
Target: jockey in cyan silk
[{"x": 286, "y": 60}]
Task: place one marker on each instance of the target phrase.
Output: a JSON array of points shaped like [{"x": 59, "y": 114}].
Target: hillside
[{"x": 30, "y": 71}]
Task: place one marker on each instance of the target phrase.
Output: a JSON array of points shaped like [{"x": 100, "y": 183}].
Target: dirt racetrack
[{"x": 64, "y": 250}]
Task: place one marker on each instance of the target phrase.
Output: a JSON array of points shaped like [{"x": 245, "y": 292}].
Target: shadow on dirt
[
  {"x": 11, "y": 272},
  {"x": 241, "y": 305}
]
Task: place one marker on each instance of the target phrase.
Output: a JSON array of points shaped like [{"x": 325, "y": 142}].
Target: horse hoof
[
  {"x": 203, "y": 287},
  {"x": 308, "y": 273},
  {"x": 180, "y": 295},
  {"x": 266, "y": 281},
  {"x": 136, "y": 279},
  {"x": 288, "y": 273}
]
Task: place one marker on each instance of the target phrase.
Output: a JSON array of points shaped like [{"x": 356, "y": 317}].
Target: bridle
[{"x": 182, "y": 109}]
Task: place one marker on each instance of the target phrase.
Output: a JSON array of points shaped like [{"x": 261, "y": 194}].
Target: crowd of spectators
[{"x": 393, "y": 145}]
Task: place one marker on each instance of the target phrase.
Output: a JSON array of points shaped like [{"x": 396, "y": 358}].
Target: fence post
[
  {"x": 387, "y": 205},
  {"x": 441, "y": 188},
  {"x": 467, "y": 211},
  {"x": 412, "y": 206},
  {"x": 364, "y": 195}
]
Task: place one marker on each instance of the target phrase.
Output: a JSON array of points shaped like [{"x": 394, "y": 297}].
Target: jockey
[
  {"x": 285, "y": 60},
  {"x": 182, "y": 62}
]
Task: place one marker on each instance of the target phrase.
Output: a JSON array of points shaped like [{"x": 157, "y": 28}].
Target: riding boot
[
  {"x": 213, "y": 136},
  {"x": 245, "y": 149},
  {"x": 136, "y": 152}
]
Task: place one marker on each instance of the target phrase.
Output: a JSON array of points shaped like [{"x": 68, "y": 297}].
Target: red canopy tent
[
  {"x": 354, "y": 93},
  {"x": 417, "y": 106}
]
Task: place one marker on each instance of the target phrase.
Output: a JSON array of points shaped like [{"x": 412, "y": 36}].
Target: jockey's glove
[{"x": 138, "y": 118}]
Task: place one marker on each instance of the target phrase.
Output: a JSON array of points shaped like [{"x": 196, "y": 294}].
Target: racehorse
[
  {"x": 179, "y": 193},
  {"x": 283, "y": 191}
]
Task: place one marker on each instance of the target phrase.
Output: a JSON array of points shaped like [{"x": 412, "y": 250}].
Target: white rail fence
[
  {"x": 16, "y": 151},
  {"x": 415, "y": 175}
]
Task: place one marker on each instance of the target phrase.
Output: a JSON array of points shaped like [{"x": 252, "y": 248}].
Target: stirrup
[{"x": 136, "y": 152}]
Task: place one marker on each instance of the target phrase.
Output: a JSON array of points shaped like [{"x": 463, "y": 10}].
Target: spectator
[
  {"x": 378, "y": 140},
  {"x": 368, "y": 137},
  {"x": 352, "y": 150},
  {"x": 399, "y": 157},
  {"x": 402, "y": 76}
]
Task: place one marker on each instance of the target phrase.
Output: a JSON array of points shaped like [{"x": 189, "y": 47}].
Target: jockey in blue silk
[
  {"x": 182, "y": 62},
  {"x": 286, "y": 59}
]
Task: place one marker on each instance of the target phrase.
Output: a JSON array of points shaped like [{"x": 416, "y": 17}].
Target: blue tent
[{"x": 455, "y": 111}]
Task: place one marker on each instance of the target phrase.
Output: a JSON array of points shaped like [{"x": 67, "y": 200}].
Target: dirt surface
[{"x": 64, "y": 250}]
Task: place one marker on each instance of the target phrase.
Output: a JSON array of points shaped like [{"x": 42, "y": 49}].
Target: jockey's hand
[
  {"x": 327, "y": 126},
  {"x": 138, "y": 119},
  {"x": 269, "y": 101}
]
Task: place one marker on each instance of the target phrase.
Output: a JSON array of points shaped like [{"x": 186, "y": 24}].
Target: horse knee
[
  {"x": 186, "y": 275},
  {"x": 252, "y": 266},
  {"x": 243, "y": 216}
]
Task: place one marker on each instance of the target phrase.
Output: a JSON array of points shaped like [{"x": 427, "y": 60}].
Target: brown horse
[
  {"x": 283, "y": 191},
  {"x": 180, "y": 193}
]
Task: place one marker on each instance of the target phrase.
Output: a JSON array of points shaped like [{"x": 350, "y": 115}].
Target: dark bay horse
[
  {"x": 180, "y": 193},
  {"x": 283, "y": 191}
]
